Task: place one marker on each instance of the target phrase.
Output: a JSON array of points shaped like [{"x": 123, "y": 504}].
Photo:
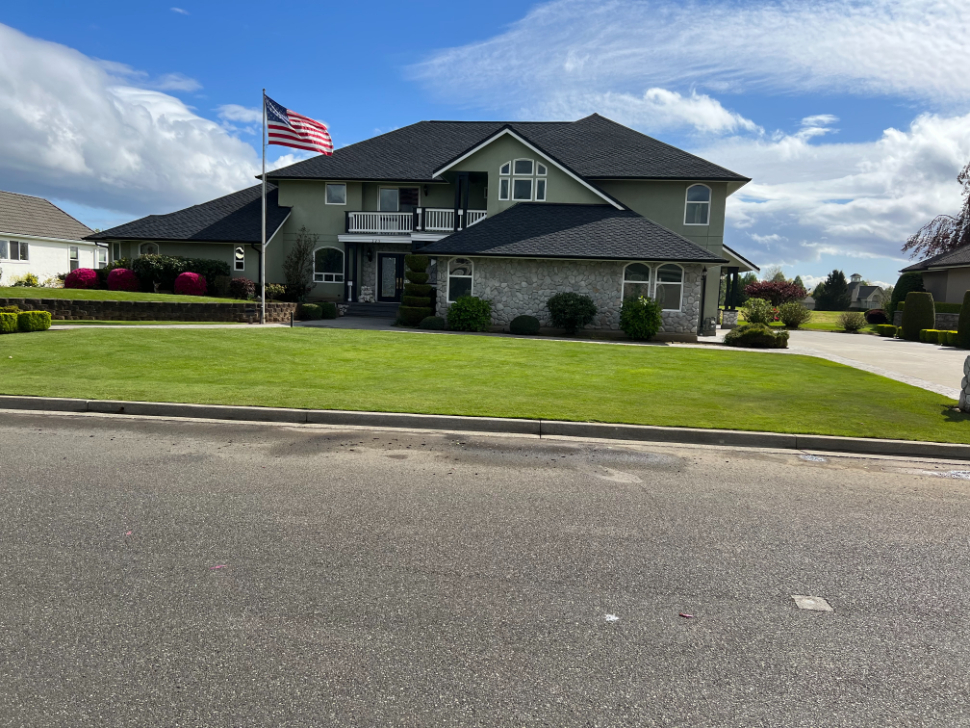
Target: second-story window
[
  {"x": 336, "y": 194},
  {"x": 698, "y": 210},
  {"x": 526, "y": 181}
]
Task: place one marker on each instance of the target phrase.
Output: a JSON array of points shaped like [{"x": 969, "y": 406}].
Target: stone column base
[{"x": 729, "y": 319}]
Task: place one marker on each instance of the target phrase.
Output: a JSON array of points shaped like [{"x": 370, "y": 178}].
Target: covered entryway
[{"x": 390, "y": 277}]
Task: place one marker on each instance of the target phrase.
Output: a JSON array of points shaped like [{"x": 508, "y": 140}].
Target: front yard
[
  {"x": 470, "y": 375},
  {"x": 79, "y": 294}
]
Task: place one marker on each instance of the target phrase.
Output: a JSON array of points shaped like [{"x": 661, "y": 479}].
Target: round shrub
[
  {"x": 122, "y": 279},
  {"x": 82, "y": 278},
  {"x": 246, "y": 289},
  {"x": 433, "y": 323},
  {"x": 640, "y": 318},
  {"x": 571, "y": 311},
  {"x": 919, "y": 314},
  {"x": 524, "y": 326},
  {"x": 852, "y": 321},
  {"x": 758, "y": 311},
  {"x": 190, "y": 284},
  {"x": 328, "y": 310},
  {"x": 756, "y": 336},
  {"x": 876, "y": 316},
  {"x": 470, "y": 313},
  {"x": 793, "y": 314}
]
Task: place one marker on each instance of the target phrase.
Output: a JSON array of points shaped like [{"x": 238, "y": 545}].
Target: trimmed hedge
[
  {"x": 416, "y": 302},
  {"x": 190, "y": 284},
  {"x": 571, "y": 311},
  {"x": 963, "y": 324},
  {"x": 328, "y": 310},
  {"x": 907, "y": 283},
  {"x": 412, "y": 315},
  {"x": 756, "y": 336},
  {"x": 919, "y": 314},
  {"x": 8, "y": 323},
  {"x": 935, "y": 336},
  {"x": 33, "y": 321},
  {"x": 940, "y": 307},
  {"x": 524, "y": 326},
  {"x": 887, "y": 330},
  {"x": 469, "y": 313},
  {"x": 309, "y": 312},
  {"x": 952, "y": 338},
  {"x": 433, "y": 323}
]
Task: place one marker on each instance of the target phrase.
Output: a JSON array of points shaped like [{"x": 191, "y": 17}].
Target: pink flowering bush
[
  {"x": 81, "y": 278},
  {"x": 122, "y": 279},
  {"x": 190, "y": 284}
]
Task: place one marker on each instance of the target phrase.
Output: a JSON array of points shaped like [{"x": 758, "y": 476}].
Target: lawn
[
  {"x": 473, "y": 375},
  {"x": 147, "y": 323},
  {"x": 821, "y": 321},
  {"x": 77, "y": 294}
]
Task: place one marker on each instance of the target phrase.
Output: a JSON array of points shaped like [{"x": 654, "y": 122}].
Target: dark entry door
[{"x": 390, "y": 276}]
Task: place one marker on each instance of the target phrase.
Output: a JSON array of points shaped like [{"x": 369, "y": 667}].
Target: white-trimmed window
[
  {"x": 698, "y": 208},
  {"x": 460, "y": 278},
  {"x": 102, "y": 255},
  {"x": 115, "y": 251},
  {"x": 670, "y": 286},
  {"x": 522, "y": 188},
  {"x": 540, "y": 190},
  {"x": 636, "y": 281},
  {"x": 526, "y": 181},
  {"x": 148, "y": 249},
  {"x": 14, "y": 250},
  {"x": 523, "y": 167},
  {"x": 328, "y": 265},
  {"x": 503, "y": 188},
  {"x": 541, "y": 170},
  {"x": 336, "y": 193},
  {"x": 505, "y": 168},
  {"x": 74, "y": 257},
  {"x": 239, "y": 258},
  {"x": 389, "y": 199}
]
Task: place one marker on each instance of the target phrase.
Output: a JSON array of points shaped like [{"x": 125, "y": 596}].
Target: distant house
[
  {"x": 865, "y": 297},
  {"x": 946, "y": 276},
  {"x": 38, "y": 237}
]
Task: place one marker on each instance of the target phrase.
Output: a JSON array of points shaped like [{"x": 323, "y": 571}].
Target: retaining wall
[
  {"x": 944, "y": 321},
  {"x": 78, "y": 310}
]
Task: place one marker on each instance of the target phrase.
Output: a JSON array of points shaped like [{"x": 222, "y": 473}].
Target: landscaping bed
[
  {"x": 192, "y": 308},
  {"x": 482, "y": 376}
]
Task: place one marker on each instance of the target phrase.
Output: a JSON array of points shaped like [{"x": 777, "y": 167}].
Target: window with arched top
[
  {"x": 670, "y": 286},
  {"x": 698, "y": 207},
  {"x": 523, "y": 180},
  {"x": 460, "y": 278},
  {"x": 328, "y": 265},
  {"x": 148, "y": 249},
  {"x": 636, "y": 281}
]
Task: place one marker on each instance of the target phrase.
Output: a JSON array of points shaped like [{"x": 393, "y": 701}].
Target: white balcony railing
[
  {"x": 380, "y": 222},
  {"x": 426, "y": 219},
  {"x": 438, "y": 219}
]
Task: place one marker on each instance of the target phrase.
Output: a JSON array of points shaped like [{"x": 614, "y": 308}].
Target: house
[
  {"x": 38, "y": 237},
  {"x": 946, "y": 276},
  {"x": 509, "y": 211},
  {"x": 864, "y": 297}
]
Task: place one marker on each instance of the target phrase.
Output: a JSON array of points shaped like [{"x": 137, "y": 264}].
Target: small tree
[
  {"x": 835, "y": 295},
  {"x": 571, "y": 311},
  {"x": 416, "y": 304},
  {"x": 640, "y": 318},
  {"x": 298, "y": 266},
  {"x": 793, "y": 314},
  {"x": 799, "y": 282}
]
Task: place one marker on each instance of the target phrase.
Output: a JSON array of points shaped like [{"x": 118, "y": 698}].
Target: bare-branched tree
[
  {"x": 945, "y": 232},
  {"x": 298, "y": 266}
]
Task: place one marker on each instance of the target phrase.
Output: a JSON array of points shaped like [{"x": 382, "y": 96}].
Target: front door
[{"x": 390, "y": 276}]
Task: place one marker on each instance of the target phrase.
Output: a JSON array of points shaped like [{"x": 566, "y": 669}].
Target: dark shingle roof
[
  {"x": 593, "y": 147},
  {"x": 960, "y": 256},
  {"x": 547, "y": 230},
  {"x": 866, "y": 291},
  {"x": 27, "y": 215},
  {"x": 235, "y": 218}
]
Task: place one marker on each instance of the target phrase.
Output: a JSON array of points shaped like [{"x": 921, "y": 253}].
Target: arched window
[
  {"x": 670, "y": 286},
  {"x": 523, "y": 180},
  {"x": 459, "y": 278},
  {"x": 328, "y": 265},
  {"x": 698, "y": 209},
  {"x": 636, "y": 281},
  {"x": 148, "y": 249}
]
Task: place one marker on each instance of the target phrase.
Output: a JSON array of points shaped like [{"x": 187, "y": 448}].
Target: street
[{"x": 180, "y": 573}]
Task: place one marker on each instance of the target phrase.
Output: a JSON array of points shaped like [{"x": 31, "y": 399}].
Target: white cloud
[
  {"x": 180, "y": 11},
  {"x": 242, "y": 114},
  {"x": 176, "y": 82},
  {"x": 91, "y": 131},
  {"x": 767, "y": 239},
  {"x": 905, "y": 48}
]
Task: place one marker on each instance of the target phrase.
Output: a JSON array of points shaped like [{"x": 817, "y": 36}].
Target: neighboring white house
[
  {"x": 38, "y": 237},
  {"x": 865, "y": 297}
]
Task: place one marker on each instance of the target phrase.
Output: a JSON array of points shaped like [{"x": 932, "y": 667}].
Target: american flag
[{"x": 290, "y": 129}]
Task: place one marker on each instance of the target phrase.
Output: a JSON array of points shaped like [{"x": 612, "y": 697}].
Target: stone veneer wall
[
  {"x": 519, "y": 287},
  {"x": 78, "y": 310},
  {"x": 944, "y": 321}
]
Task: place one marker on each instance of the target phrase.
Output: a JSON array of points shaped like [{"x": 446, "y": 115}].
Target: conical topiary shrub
[
  {"x": 918, "y": 314},
  {"x": 416, "y": 303},
  {"x": 963, "y": 326}
]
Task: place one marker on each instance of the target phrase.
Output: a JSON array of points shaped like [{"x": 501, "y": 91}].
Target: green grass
[
  {"x": 76, "y": 294},
  {"x": 821, "y": 321},
  {"x": 470, "y": 375},
  {"x": 146, "y": 323}
]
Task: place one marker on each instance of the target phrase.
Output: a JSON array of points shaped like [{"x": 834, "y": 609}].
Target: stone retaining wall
[
  {"x": 944, "y": 321},
  {"x": 78, "y": 310}
]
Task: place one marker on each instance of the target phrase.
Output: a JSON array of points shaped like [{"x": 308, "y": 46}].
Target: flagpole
[{"x": 262, "y": 248}]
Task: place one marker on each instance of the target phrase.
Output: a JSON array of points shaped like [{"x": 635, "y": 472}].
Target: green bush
[
  {"x": 220, "y": 286},
  {"x": 411, "y": 315},
  {"x": 571, "y": 311},
  {"x": 758, "y": 311},
  {"x": 162, "y": 270},
  {"x": 793, "y": 314},
  {"x": 33, "y": 321},
  {"x": 434, "y": 323},
  {"x": 934, "y": 336},
  {"x": 417, "y": 263},
  {"x": 416, "y": 302},
  {"x": 470, "y": 313},
  {"x": 275, "y": 291},
  {"x": 757, "y": 336},
  {"x": 328, "y": 310},
  {"x": 27, "y": 280},
  {"x": 887, "y": 330},
  {"x": 9, "y": 309},
  {"x": 640, "y": 318},
  {"x": 416, "y": 277},
  {"x": 918, "y": 314},
  {"x": 309, "y": 312},
  {"x": 8, "y": 323},
  {"x": 907, "y": 283},
  {"x": 940, "y": 307},
  {"x": 524, "y": 326},
  {"x": 421, "y": 290},
  {"x": 952, "y": 338},
  {"x": 963, "y": 324},
  {"x": 852, "y": 321}
]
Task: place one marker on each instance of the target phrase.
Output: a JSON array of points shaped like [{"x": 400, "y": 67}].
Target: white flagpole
[{"x": 262, "y": 249}]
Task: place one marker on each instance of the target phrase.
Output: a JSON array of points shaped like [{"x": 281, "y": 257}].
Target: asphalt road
[{"x": 159, "y": 573}]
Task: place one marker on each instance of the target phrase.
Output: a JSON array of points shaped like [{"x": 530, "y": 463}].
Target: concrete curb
[{"x": 539, "y": 428}]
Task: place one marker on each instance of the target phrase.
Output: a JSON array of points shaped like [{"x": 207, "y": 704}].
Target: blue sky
[{"x": 852, "y": 118}]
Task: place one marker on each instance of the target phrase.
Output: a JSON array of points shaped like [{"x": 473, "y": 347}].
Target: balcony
[{"x": 424, "y": 219}]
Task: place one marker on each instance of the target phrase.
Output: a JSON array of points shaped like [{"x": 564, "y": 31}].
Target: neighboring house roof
[
  {"x": 594, "y": 147},
  {"x": 867, "y": 291},
  {"x": 35, "y": 216},
  {"x": 953, "y": 258},
  {"x": 235, "y": 218},
  {"x": 550, "y": 230}
]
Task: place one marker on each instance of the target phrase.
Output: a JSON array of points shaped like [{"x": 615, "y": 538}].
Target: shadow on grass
[{"x": 954, "y": 414}]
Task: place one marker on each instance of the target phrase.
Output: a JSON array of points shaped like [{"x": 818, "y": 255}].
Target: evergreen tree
[
  {"x": 835, "y": 294},
  {"x": 798, "y": 282}
]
